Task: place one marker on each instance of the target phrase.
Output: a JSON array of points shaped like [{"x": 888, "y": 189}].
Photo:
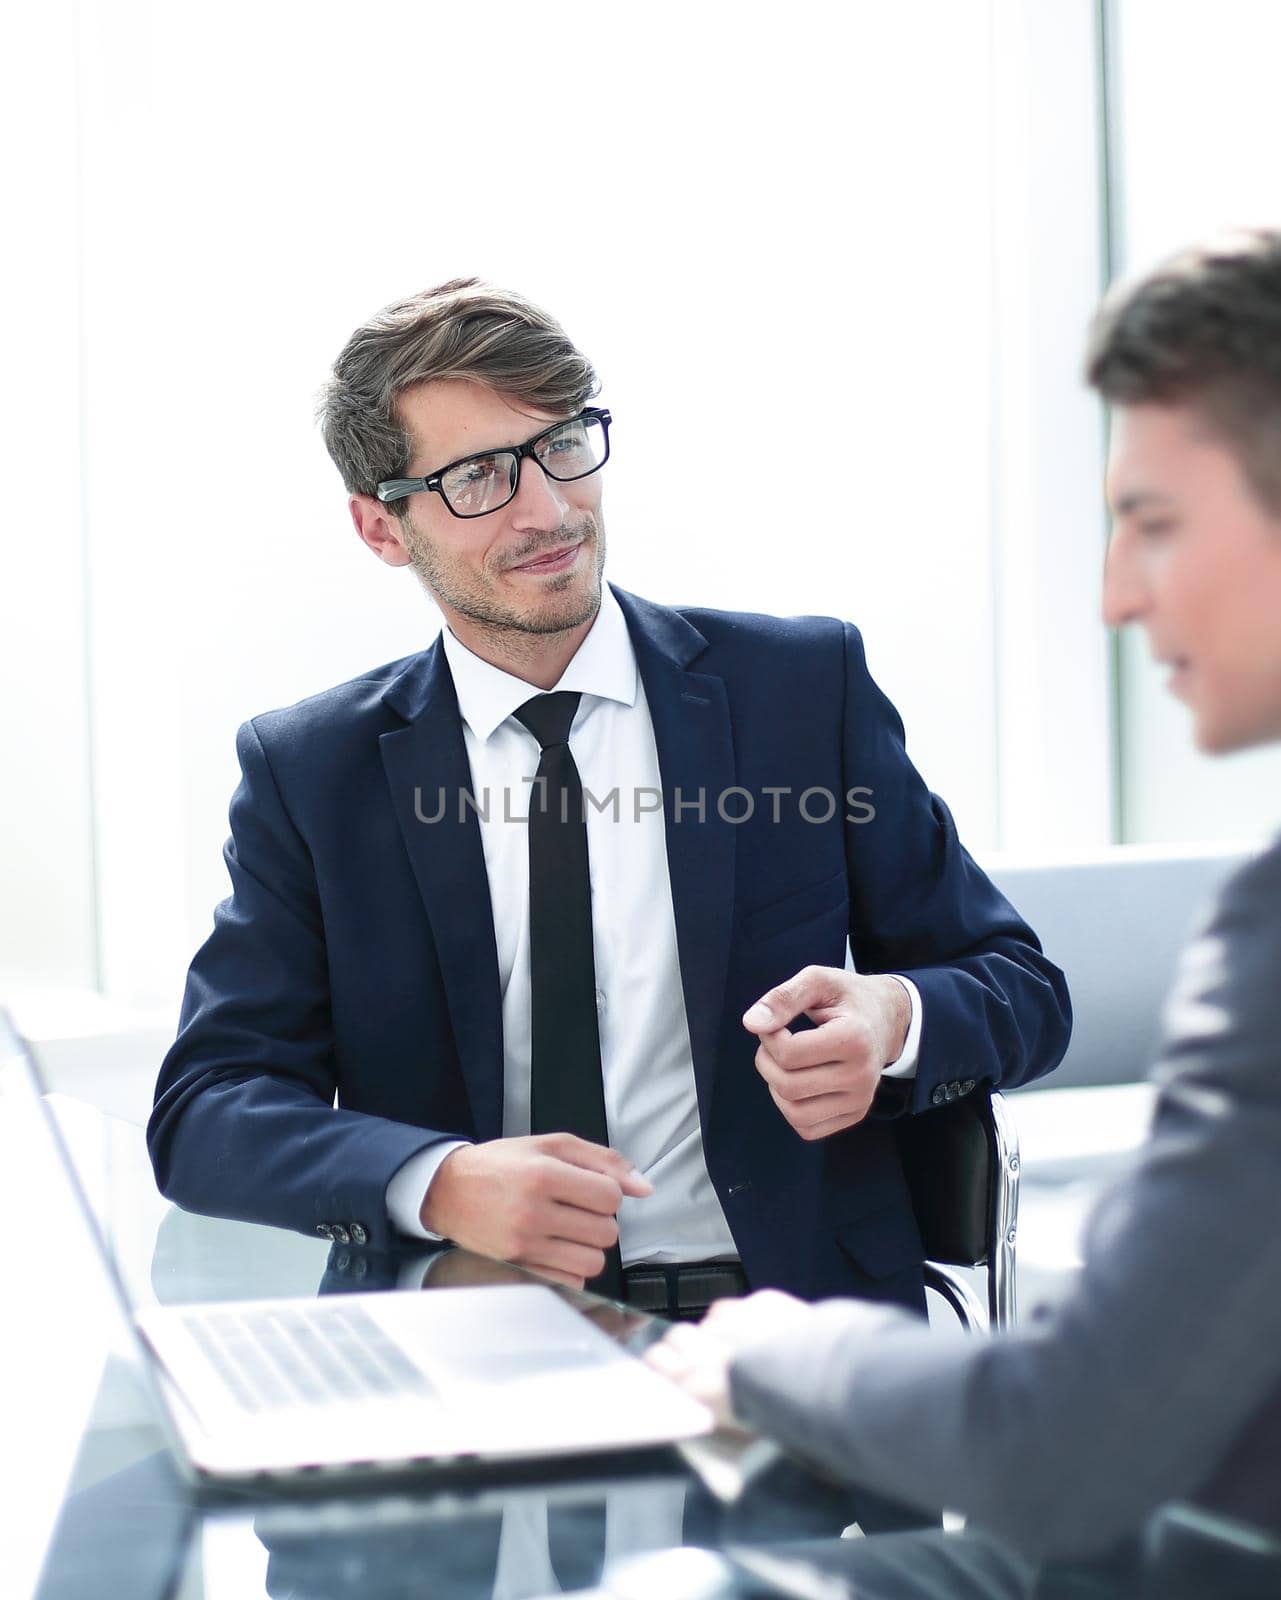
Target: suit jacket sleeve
[
  {"x": 244, "y": 1123},
  {"x": 995, "y": 1011},
  {"x": 1148, "y": 1381}
]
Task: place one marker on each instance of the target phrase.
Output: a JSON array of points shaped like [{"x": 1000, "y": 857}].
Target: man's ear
[{"x": 379, "y": 529}]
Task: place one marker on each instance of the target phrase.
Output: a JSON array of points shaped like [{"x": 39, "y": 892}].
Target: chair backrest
[
  {"x": 1115, "y": 925},
  {"x": 961, "y": 1161},
  {"x": 948, "y": 1160}
]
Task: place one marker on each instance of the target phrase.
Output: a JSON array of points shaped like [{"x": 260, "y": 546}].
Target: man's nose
[
  {"x": 1124, "y": 593},
  {"x": 539, "y": 501}
]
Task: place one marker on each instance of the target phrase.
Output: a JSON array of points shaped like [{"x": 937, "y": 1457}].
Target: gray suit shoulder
[
  {"x": 1252, "y": 894},
  {"x": 1224, "y": 1012}
]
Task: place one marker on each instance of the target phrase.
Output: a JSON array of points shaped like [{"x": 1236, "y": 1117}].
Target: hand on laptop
[
  {"x": 698, "y": 1357},
  {"x": 823, "y": 1078},
  {"x": 547, "y": 1202}
]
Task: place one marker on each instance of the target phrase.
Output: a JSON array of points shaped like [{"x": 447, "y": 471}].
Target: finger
[
  {"x": 732, "y": 1328},
  {"x": 700, "y": 1372},
  {"x": 563, "y": 1183},
  {"x": 849, "y": 1118},
  {"x": 844, "y": 1038},
  {"x": 683, "y": 1342},
  {"x": 747, "y": 1308},
  {"x": 843, "y": 1035},
  {"x": 561, "y": 1221},
  {"x": 576, "y": 1152},
  {"x": 566, "y": 1256},
  {"x": 726, "y": 1317},
  {"x": 804, "y": 1083},
  {"x": 811, "y": 988},
  {"x": 827, "y": 1113},
  {"x": 737, "y": 1323},
  {"x": 672, "y": 1363}
]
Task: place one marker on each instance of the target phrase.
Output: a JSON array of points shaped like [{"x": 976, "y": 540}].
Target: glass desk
[{"x": 710, "y": 1518}]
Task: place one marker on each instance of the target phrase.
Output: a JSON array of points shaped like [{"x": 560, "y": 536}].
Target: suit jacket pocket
[
  {"x": 795, "y": 909},
  {"x": 883, "y": 1242}
]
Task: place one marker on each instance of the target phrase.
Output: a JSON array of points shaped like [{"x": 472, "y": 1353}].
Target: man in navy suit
[{"x": 748, "y": 807}]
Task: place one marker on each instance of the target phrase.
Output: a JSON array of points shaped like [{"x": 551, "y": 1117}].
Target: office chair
[{"x": 961, "y": 1160}]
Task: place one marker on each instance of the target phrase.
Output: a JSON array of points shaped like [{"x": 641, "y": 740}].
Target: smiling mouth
[{"x": 549, "y": 560}]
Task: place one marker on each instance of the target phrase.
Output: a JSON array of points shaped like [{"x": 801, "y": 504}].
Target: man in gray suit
[{"x": 1159, "y": 1379}]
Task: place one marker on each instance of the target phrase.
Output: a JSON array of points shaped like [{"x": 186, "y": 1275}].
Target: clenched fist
[{"x": 548, "y": 1202}]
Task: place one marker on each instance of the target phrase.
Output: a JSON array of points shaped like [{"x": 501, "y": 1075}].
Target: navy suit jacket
[{"x": 355, "y": 960}]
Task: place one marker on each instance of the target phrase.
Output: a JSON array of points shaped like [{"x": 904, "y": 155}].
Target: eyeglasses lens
[
  {"x": 571, "y": 450},
  {"x": 481, "y": 485}
]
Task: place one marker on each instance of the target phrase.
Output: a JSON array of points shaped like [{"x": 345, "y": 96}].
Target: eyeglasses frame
[{"x": 392, "y": 489}]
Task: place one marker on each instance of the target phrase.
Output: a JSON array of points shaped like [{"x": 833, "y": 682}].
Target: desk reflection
[
  {"x": 648, "y": 1533},
  {"x": 718, "y": 1517}
]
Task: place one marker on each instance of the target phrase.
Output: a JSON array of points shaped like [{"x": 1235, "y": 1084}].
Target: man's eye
[
  {"x": 564, "y": 444},
  {"x": 1155, "y": 529}
]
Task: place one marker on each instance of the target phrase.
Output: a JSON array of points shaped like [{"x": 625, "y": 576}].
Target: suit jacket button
[
  {"x": 341, "y": 1236},
  {"x": 966, "y": 1088},
  {"x": 325, "y": 1231},
  {"x": 342, "y": 1261},
  {"x": 359, "y": 1233},
  {"x": 939, "y": 1096},
  {"x": 953, "y": 1091}
]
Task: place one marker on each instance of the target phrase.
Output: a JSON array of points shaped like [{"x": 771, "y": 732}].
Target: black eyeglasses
[{"x": 477, "y": 485}]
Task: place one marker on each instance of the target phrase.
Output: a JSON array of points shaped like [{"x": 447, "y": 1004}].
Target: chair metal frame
[{"x": 993, "y": 1170}]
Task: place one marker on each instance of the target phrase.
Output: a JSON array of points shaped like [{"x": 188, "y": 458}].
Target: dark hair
[
  {"x": 461, "y": 329},
  {"x": 1204, "y": 330}
]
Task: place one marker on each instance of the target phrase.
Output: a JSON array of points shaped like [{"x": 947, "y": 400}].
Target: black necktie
[{"x": 566, "y": 1091}]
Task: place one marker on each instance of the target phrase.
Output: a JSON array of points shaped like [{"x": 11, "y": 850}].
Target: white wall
[
  {"x": 47, "y": 933},
  {"x": 1053, "y": 707},
  {"x": 810, "y": 227}
]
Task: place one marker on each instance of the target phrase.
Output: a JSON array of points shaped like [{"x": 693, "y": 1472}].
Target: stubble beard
[{"x": 446, "y": 582}]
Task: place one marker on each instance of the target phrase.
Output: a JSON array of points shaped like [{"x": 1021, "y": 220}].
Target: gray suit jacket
[{"x": 1160, "y": 1377}]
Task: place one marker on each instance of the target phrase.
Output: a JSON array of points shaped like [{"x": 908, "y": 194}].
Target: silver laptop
[{"x": 354, "y": 1382}]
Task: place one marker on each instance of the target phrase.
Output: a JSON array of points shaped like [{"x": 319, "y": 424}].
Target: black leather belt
[{"x": 689, "y": 1286}]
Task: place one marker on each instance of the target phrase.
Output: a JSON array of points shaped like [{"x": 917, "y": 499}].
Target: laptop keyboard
[{"x": 278, "y": 1358}]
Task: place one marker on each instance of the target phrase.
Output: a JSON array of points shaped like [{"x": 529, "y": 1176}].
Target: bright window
[
  {"x": 866, "y": 233},
  {"x": 1197, "y": 133}
]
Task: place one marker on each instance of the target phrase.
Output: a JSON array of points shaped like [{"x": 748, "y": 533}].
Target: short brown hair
[
  {"x": 1204, "y": 330},
  {"x": 461, "y": 329}
]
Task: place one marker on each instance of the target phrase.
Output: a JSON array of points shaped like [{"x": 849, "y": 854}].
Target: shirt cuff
[
  {"x": 905, "y": 1064},
  {"x": 410, "y": 1183}
]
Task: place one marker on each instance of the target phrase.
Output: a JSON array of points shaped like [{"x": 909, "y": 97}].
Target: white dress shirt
[{"x": 650, "y": 1102}]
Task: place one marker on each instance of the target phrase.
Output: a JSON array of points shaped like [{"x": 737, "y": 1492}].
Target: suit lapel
[
  {"x": 427, "y": 771},
  {"x": 690, "y": 712}
]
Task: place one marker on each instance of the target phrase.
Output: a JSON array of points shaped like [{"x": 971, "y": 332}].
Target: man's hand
[
  {"x": 823, "y": 1079},
  {"x": 698, "y": 1356},
  {"x": 547, "y": 1202}
]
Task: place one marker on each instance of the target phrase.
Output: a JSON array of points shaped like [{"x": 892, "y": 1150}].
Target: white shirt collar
[{"x": 603, "y": 665}]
